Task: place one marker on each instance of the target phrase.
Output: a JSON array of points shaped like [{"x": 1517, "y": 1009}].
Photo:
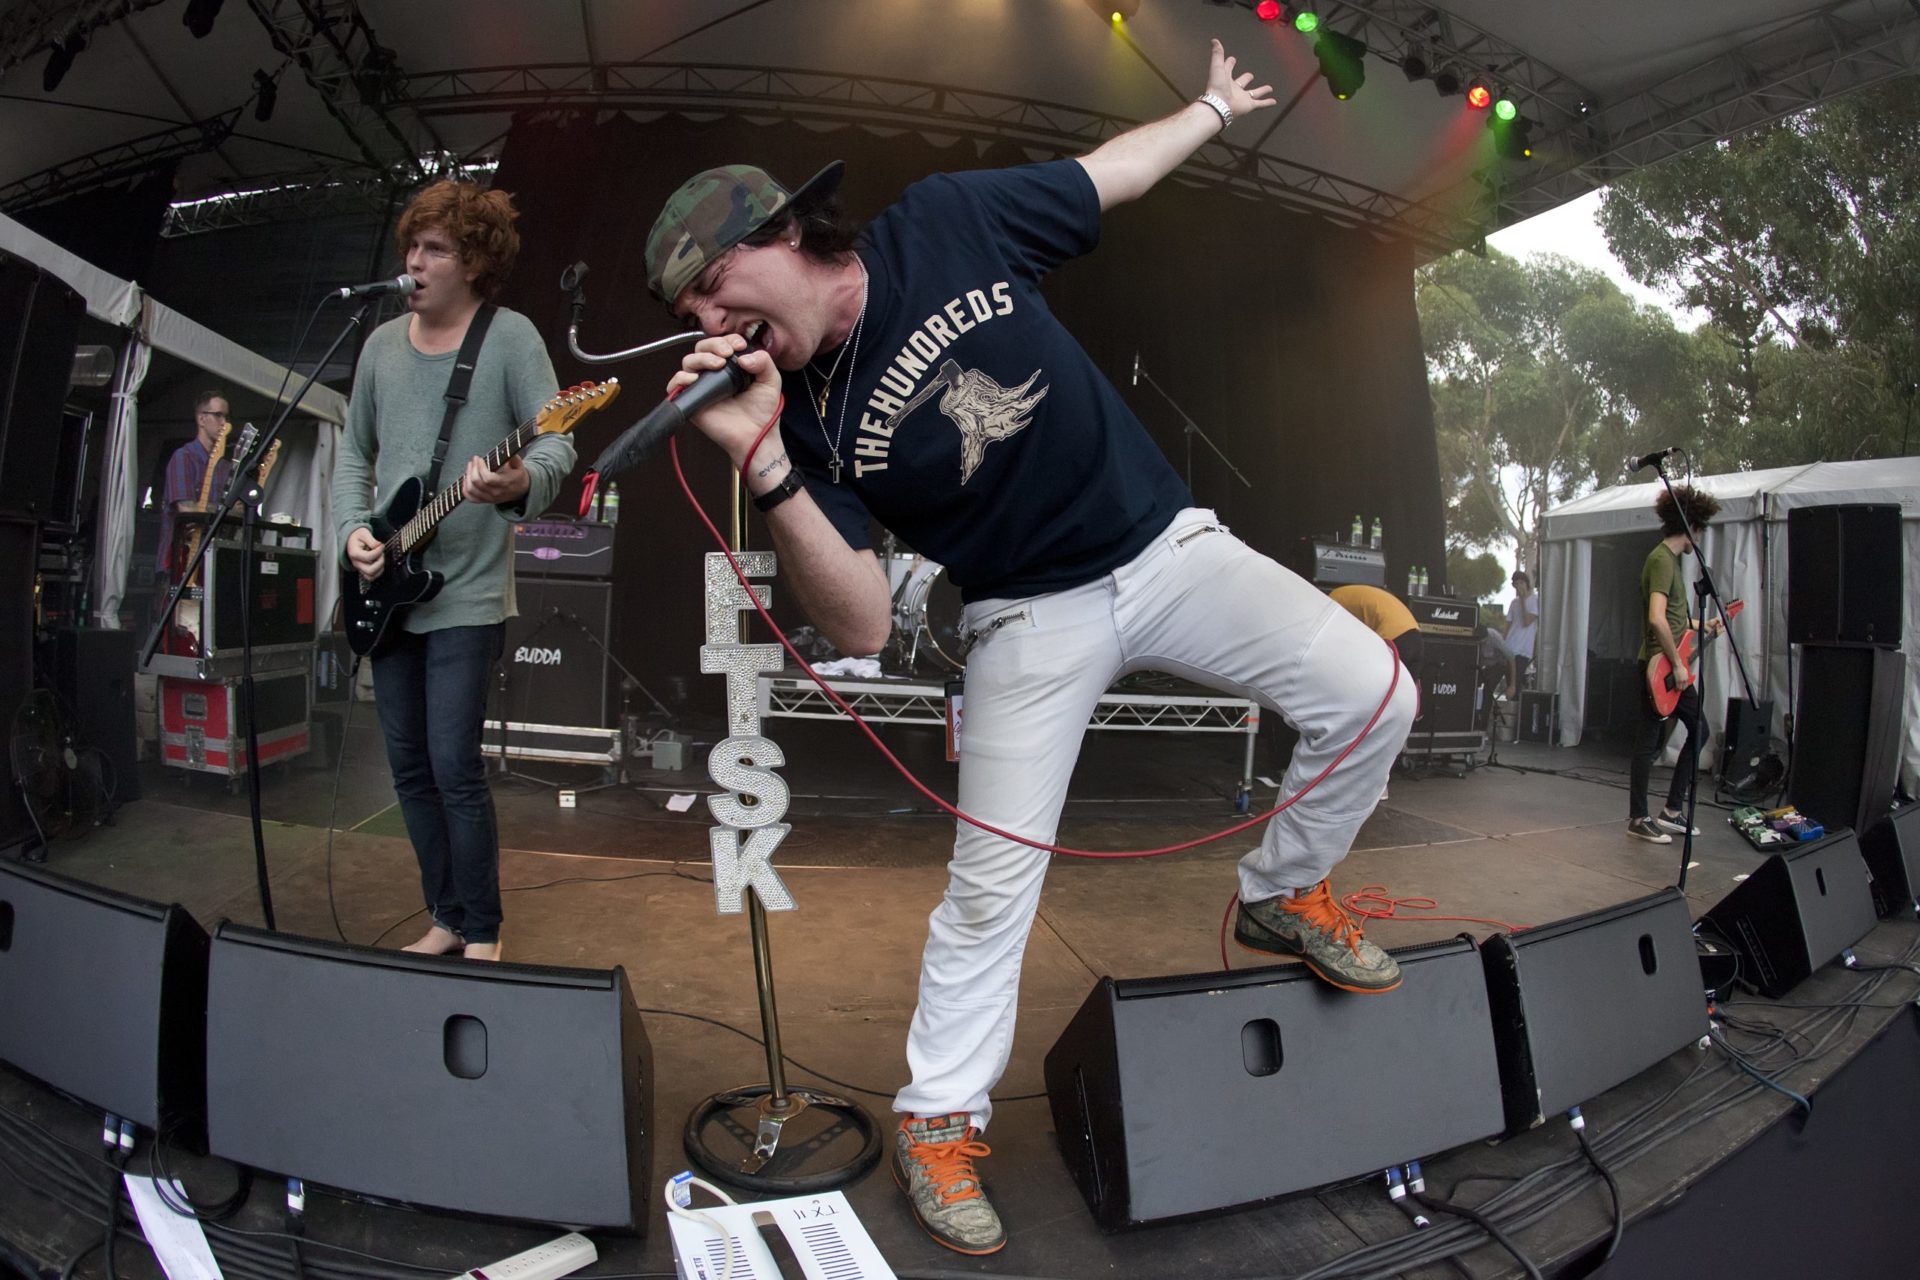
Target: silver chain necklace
[{"x": 819, "y": 399}]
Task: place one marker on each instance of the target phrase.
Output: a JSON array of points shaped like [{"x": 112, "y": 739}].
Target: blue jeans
[{"x": 431, "y": 692}]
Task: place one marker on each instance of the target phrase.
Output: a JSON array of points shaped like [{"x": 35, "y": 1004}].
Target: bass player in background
[
  {"x": 1663, "y": 595},
  {"x": 430, "y": 686}
]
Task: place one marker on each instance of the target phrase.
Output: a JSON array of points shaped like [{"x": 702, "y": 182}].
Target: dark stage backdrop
[{"x": 1291, "y": 342}]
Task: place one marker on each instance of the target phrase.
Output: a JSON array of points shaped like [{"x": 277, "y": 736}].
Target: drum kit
[{"x": 926, "y": 615}]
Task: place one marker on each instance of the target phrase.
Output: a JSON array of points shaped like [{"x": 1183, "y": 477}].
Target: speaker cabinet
[
  {"x": 1846, "y": 743},
  {"x": 1891, "y": 847},
  {"x": 91, "y": 671},
  {"x": 105, "y": 998},
  {"x": 39, "y": 323},
  {"x": 506, "y": 1090},
  {"x": 1448, "y": 675},
  {"x": 1160, "y": 1086},
  {"x": 19, "y": 548},
  {"x": 1583, "y": 1004},
  {"x": 1844, "y": 574},
  {"x": 554, "y": 656},
  {"x": 1798, "y": 911}
]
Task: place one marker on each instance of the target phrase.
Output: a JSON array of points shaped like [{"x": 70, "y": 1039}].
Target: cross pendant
[{"x": 834, "y": 466}]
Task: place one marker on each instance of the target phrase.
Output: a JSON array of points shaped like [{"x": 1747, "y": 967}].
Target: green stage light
[
  {"x": 1505, "y": 109},
  {"x": 1307, "y": 22}
]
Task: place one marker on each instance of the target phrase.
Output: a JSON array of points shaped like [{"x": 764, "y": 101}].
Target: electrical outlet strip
[{"x": 548, "y": 1261}]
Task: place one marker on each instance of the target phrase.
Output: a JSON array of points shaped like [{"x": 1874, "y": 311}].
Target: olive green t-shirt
[{"x": 1663, "y": 573}]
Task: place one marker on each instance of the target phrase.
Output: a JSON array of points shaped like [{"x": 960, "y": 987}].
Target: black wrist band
[{"x": 789, "y": 485}]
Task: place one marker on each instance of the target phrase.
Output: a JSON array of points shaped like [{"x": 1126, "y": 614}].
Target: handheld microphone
[
  {"x": 402, "y": 284},
  {"x": 1652, "y": 459},
  {"x": 643, "y": 439},
  {"x": 1136, "y": 368}
]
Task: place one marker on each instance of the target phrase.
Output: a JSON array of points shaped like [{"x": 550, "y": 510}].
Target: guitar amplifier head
[
  {"x": 1445, "y": 616},
  {"x": 1340, "y": 564},
  {"x": 563, "y": 549}
]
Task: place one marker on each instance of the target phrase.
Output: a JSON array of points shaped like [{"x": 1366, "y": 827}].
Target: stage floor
[{"x": 622, "y": 879}]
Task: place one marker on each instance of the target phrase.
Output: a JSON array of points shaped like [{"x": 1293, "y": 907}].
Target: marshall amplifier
[
  {"x": 563, "y": 549},
  {"x": 1449, "y": 678},
  {"x": 1331, "y": 563},
  {"x": 1441, "y": 616}
]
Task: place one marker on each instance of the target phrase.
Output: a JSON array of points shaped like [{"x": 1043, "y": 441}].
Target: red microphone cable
[{"x": 923, "y": 789}]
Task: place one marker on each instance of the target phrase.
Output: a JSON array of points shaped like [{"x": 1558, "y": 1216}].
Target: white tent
[
  {"x": 298, "y": 486},
  {"x": 1590, "y": 582}
]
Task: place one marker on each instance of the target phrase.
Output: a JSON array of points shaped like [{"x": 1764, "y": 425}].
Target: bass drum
[{"x": 926, "y": 617}]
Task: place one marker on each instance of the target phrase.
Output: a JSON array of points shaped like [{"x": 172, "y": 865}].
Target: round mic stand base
[{"x": 836, "y": 1142}]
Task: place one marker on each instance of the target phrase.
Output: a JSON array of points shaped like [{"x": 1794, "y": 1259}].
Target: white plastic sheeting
[{"x": 1590, "y": 582}]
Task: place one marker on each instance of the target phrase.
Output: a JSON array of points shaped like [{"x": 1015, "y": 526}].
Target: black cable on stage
[
  {"x": 675, "y": 872},
  {"x": 73, "y": 1263},
  {"x": 1486, "y": 1224},
  {"x": 1613, "y": 1188}
]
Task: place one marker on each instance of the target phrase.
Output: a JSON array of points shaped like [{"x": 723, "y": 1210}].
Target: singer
[
  {"x": 1663, "y": 595},
  {"x": 928, "y": 387},
  {"x": 431, "y": 686}
]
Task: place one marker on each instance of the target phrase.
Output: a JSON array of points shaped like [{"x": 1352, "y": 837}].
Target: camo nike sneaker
[
  {"x": 1316, "y": 928},
  {"x": 933, "y": 1163}
]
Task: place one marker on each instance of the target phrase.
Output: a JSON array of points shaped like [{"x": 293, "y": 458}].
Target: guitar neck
[{"x": 424, "y": 521}]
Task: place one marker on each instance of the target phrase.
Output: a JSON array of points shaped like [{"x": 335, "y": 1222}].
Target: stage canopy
[
  {"x": 1590, "y": 586},
  {"x": 365, "y": 93}
]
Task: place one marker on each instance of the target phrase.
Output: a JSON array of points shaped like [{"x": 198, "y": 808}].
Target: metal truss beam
[
  {"x": 356, "y": 76},
  {"x": 1042, "y": 127},
  {"x": 315, "y": 193},
  {"x": 117, "y": 163},
  {"x": 1805, "y": 61},
  {"x": 31, "y": 25}
]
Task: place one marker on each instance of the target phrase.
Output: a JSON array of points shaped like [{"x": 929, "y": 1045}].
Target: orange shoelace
[
  {"x": 1320, "y": 909},
  {"x": 949, "y": 1164}
]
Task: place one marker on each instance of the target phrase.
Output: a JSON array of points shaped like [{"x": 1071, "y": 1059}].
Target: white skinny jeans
[{"x": 1197, "y": 603}]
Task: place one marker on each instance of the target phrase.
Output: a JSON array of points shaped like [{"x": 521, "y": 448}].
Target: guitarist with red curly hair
[
  {"x": 1663, "y": 593},
  {"x": 430, "y": 682}
]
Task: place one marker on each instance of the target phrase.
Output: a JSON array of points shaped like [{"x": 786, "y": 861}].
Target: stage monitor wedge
[
  {"x": 1186, "y": 1095},
  {"x": 1799, "y": 910},
  {"x": 1891, "y": 847},
  {"x": 1584, "y": 1004},
  {"x": 104, "y": 997},
  {"x": 510, "y": 1091}
]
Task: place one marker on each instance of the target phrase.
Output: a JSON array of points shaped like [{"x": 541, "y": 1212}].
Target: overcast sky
[{"x": 1571, "y": 232}]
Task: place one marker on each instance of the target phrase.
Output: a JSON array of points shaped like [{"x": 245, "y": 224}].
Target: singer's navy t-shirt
[{"x": 979, "y": 432}]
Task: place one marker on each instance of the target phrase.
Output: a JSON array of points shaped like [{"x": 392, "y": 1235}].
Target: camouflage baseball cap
[{"x": 714, "y": 211}]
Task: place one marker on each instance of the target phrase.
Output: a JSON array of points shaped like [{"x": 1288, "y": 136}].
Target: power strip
[{"x": 548, "y": 1261}]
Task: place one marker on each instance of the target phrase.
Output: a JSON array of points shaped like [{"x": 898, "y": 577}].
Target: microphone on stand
[
  {"x": 1652, "y": 459},
  {"x": 1136, "y": 368},
  {"x": 643, "y": 439},
  {"x": 402, "y": 284}
]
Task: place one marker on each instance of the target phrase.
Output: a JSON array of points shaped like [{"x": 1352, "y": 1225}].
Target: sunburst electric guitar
[{"x": 370, "y": 606}]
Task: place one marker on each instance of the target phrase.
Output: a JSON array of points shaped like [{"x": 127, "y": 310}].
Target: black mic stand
[
  {"x": 243, "y": 485},
  {"x": 1191, "y": 430},
  {"x": 1704, "y": 591}
]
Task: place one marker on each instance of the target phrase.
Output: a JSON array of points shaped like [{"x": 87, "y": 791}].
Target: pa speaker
[
  {"x": 1583, "y": 1004},
  {"x": 39, "y": 323},
  {"x": 1844, "y": 574},
  {"x": 1155, "y": 1082},
  {"x": 104, "y": 998},
  {"x": 19, "y": 554},
  {"x": 1891, "y": 847},
  {"x": 1846, "y": 738},
  {"x": 1798, "y": 911},
  {"x": 370, "y": 1070}
]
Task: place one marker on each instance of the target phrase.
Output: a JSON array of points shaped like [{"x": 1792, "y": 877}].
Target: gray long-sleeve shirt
[{"x": 393, "y": 419}]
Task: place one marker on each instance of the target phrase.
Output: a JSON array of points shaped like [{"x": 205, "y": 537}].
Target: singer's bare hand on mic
[
  {"x": 365, "y": 553},
  {"x": 733, "y": 423}
]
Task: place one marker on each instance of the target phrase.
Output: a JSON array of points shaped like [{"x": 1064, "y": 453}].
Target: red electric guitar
[{"x": 1666, "y": 694}]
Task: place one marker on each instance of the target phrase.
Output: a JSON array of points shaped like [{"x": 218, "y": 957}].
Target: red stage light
[
  {"x": 1479, "y": 97},
  {"x": 1268, "y": 10}
]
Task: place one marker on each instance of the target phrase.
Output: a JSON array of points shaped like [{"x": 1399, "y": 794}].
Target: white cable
[{"x": 684, "y": 1180}]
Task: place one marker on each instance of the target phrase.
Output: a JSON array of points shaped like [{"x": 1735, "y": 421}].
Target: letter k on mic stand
[{"x": 1703, "y": 590}]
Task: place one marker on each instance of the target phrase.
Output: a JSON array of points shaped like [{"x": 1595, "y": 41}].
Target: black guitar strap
[{"x": 457, "y": 388}]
